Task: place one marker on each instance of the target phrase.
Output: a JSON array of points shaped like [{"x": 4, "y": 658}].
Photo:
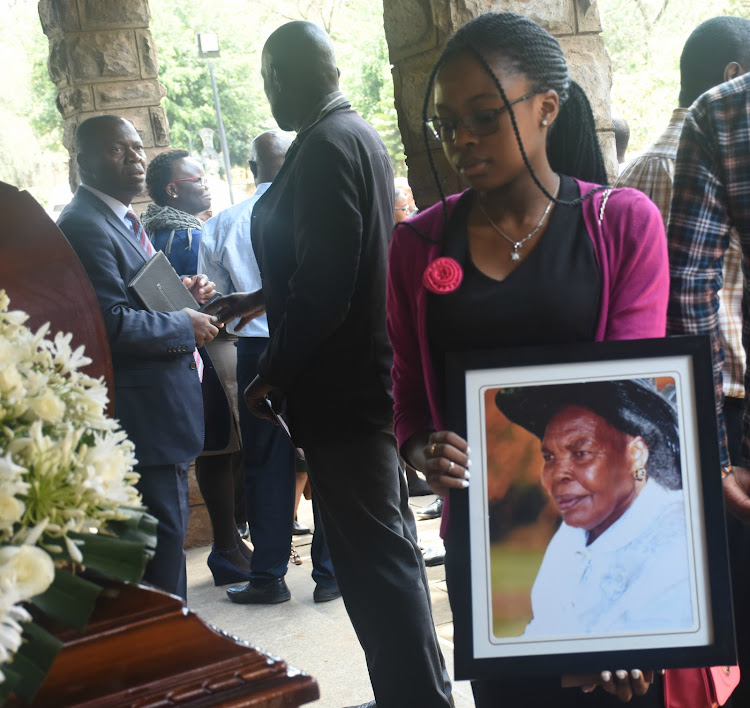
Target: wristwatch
[{"x": 726, "y": 470}]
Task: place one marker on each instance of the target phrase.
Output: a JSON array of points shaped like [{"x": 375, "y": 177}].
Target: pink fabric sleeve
[
  {"x": 411, "y": 401},
  {"x": 634, "y": 248}
]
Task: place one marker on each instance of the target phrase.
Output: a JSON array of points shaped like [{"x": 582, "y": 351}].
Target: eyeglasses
[
  {"x": 479, "y": 124},
  {"x": 202, "y": 180},
  {"x": 402, "y": 208}
]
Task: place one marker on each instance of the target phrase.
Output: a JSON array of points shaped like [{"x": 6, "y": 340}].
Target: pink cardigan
[{"x": 631, "y": 250}]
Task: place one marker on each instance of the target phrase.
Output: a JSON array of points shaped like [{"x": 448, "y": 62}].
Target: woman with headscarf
[
  {"x": 535, "y": 252},
  {"x": 619, "y": 561},
  {"x": 177, "y": 185}
]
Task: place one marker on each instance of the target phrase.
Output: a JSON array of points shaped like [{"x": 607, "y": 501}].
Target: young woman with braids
[{"x": 535, "y": 252}]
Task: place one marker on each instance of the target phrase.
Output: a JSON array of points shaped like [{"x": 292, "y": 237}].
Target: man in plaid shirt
[
  {"x": 711, "y": 197},
  {"x": 715, "y": 52}
]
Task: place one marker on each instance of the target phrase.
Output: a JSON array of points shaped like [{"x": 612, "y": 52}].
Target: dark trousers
[
  {"x": 371, "y": 534},
  {"x": 537, "y": 692},
  {"x": 269, "y": 477},
  {"x": 738, "y": 537},
  {"x": 164, "y": 489}
]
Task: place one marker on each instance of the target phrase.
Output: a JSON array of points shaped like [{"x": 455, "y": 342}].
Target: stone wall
[
  {"x": 417, "y": 30},
  {"x": 103, "y": 60}
]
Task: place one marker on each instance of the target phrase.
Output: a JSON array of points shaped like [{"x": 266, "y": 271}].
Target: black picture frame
[{"x": 707, "y": 639}]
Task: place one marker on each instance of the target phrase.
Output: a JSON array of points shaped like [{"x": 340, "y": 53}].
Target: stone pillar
[
  {"x": 416, "y": 31},
  {"x": 103, "y": 60}
]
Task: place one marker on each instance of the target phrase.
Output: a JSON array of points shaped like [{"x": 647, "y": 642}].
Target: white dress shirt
[{"x": 226, "y": 256}]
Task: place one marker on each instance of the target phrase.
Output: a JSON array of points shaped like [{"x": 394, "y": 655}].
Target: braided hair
[
  {"x": 159, "y": 174},
  {"x": 572, "y": 144}
]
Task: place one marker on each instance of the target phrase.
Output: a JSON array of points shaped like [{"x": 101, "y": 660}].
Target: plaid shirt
[
  {"x": 652, "y": 173},
  {"x": 711, "y": 196}
]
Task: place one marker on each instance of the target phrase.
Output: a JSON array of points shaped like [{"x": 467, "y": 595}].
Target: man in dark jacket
[
  {"x": 320, "y": 234},
  {"x": 157, "y": 389}
]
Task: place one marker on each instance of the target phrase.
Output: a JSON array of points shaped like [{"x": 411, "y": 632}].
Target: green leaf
[
  {"x": 114, "y": 557},
  {"x": 31, "y": 663},
  {"x": 70, "y": 599},
  {"x": 11, "y": 680},
  {"x": 139, "y": 526}
]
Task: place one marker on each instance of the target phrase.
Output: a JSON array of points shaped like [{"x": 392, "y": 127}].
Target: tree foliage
[
  {"x": 355, "y": 26},
  {"x": 30, "y": 125},
  {"x": 644, "y": 39}
]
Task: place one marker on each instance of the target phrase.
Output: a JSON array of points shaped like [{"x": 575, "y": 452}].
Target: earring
[
  {"x": 174, "y": 196},
  {"x": 544, "y": 122},
  {"x": 639, "y": 474}
]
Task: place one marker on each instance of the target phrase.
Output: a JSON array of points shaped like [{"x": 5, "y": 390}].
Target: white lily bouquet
[{"x": 67, "y": 497}]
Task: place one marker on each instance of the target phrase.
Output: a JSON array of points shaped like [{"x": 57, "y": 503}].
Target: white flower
[
  {"x": 10, "y": 378},
  {"x": 11, "y": 510},
  {"x": 109, "y": 464},
  {"x": 73, "y": 550},
  {"x": 10, "y": 629},
  {"x": 25, "y": 571},
  {"x": 48, "y": 407}
]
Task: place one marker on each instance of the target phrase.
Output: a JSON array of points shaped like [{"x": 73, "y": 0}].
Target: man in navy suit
[{"x": 157, "y": 386}]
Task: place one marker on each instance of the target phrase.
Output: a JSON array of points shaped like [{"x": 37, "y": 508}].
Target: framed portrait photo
[{"x": 592, "y": 533}]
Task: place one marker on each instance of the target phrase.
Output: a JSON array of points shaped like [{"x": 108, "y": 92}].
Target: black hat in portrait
[{"x": 633, "y": 406}]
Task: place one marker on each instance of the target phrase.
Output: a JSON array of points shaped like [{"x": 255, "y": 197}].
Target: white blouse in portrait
[{"x": 633, "y": 578}]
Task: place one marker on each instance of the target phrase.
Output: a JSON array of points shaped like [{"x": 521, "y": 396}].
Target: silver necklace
[{"x": 515, "y": 254}]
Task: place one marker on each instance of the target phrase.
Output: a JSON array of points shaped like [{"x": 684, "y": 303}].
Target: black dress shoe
[
  {"x": 298, "y": 529},
  {"x": 269, "y": 594},
  {"x": 431, "y": 511},
  {"x": 324, "y": 594}
]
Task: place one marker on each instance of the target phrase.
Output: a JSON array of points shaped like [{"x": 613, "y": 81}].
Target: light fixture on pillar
[{"x": 208, "y": 48}]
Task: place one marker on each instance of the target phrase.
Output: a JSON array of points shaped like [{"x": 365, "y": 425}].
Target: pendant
[{"x": 515, "y": 256}]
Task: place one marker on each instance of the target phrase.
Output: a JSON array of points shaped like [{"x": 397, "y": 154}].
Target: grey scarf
[{"x": 156, "y": 218}]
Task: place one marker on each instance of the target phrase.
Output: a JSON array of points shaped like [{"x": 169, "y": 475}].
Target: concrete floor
[{"x": 317, "y": 638}]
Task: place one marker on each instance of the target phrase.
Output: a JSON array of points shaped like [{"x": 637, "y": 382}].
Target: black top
[
  {"x": 320, "y": 234},
  {"x": 552, "y": 297}
]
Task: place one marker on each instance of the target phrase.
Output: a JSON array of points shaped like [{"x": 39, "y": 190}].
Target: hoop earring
[{"x": 639, "y": 474}]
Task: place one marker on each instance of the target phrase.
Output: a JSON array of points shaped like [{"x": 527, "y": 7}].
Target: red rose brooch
[{"x": 442, "y": 276}]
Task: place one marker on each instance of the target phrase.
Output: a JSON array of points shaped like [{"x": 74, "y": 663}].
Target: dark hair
[
  {"x": 572, "y": 145},
  {"x": 87, "y": 128},
  {"x": 710, "y": 47},
  {"x": 159, "y": 174},
  {"x": 622, "y": 135}
]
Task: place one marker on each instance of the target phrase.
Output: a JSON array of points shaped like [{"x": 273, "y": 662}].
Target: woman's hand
[
  {"x": 621, "y": 683},
  {"x": 447, "y": 462},
  {"x": 200, "y": 287}
]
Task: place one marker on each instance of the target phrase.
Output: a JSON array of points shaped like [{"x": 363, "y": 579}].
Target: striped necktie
[{"x": 140, "y": 234}]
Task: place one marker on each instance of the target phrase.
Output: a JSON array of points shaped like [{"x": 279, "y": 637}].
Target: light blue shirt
[
  {"x": 634, "y": 578},
  {"x": 226, "y": 256}
]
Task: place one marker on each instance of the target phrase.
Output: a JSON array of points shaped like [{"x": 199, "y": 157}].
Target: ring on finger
[
  {"x": 451, "y": 466},
  {"x": 433, "y": 447}
]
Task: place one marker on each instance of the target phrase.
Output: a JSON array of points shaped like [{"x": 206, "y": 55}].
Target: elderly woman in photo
[{"x": 619, "y": 561}]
